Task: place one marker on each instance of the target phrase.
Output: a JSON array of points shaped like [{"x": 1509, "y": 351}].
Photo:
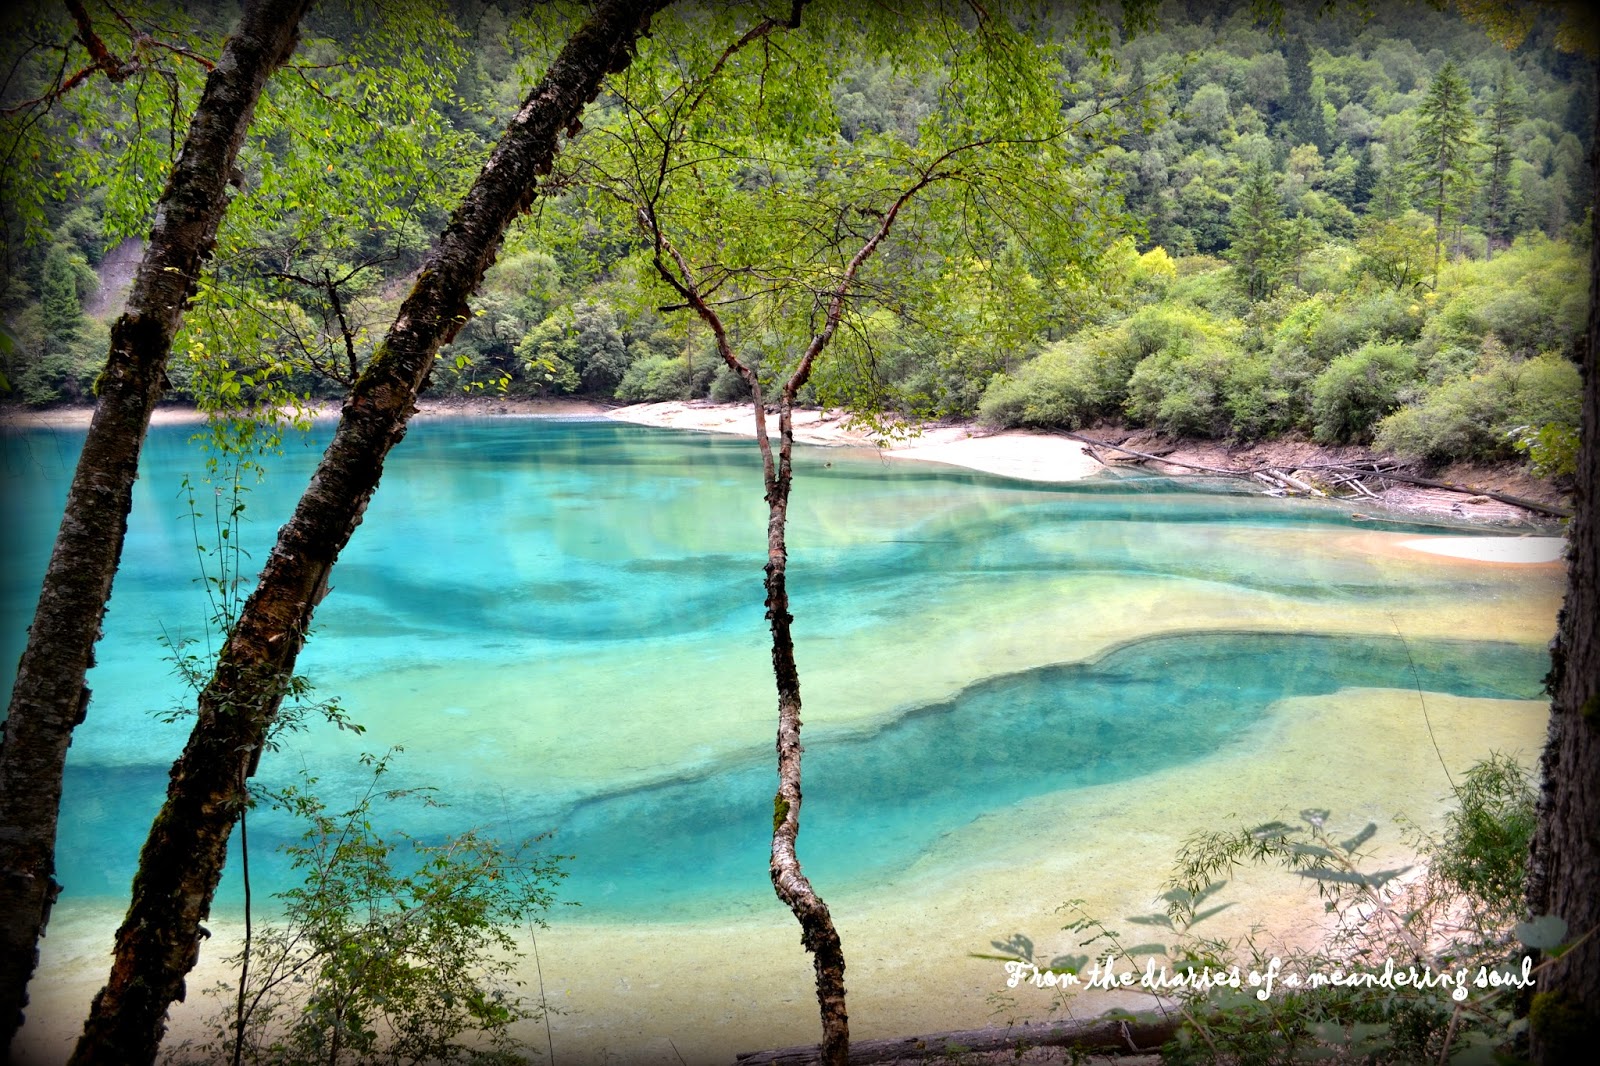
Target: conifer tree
[
  {"x": 58, "y": 297},
  {"x": 1441, "y": 160},
  {"x": 1506, "y": 107},
  {"x": 1258, "y": 234},
  {"x": 1303, "y": 113}
]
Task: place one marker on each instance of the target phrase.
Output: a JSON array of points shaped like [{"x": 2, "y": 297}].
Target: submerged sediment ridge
[{"x": 564, "y": 620}]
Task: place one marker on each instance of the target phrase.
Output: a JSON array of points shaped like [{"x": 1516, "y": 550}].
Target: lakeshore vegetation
[{"x": 1357, "y": 227}]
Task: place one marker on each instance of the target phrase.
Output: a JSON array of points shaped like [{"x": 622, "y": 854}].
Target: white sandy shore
[
  {"x": 1493, "y": 549},
  {"x": 1010, "y": 453},
  {"x": 78, "y": 417},
  {"x": 1028, "y": 456}
]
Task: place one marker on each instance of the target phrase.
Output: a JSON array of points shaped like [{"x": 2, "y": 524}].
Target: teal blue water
[{"x": 527, "y": 599}]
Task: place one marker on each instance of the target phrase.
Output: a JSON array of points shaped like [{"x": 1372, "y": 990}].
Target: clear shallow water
[{"x": 562, "y": 622}]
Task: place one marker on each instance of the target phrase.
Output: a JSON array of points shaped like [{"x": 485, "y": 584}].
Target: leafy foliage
[
  {"x": 1334, "y": 167},
  {"x": 1457, "y": 919},
  {"x": 393, "y": 949}
]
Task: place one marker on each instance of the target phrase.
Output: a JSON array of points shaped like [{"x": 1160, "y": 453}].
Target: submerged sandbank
[{"x": 698, "y": 992}]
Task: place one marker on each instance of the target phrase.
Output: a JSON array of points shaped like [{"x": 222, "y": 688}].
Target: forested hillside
[{"x": 1352, "y": 226}]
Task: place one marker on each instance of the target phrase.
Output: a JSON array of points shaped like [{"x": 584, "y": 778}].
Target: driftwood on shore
[
  {"x": 1127, "y": 1035},
  {"x": 1344, "y": 474}
]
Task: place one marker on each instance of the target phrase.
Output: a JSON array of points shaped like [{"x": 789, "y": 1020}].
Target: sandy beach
[
  {"x": 1019, "y": 454},
  {"x": 1027, "y": 456}
]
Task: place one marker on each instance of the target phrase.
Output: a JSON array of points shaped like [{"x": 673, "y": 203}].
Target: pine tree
[
  {"x": 58, "y": 295},
  {"x": 1441, "y": 160},
  {"x": 1303, "y": 112},
  {"x": 1258, "y": 234},
  {"x": 1505, "y": 111},
  {"x": 1365, "y": 181}
]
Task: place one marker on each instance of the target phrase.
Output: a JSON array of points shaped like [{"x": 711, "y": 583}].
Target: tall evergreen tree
[
  {"x": 1258, "y": 233},
  {"x": 58, "y": 295},
  {"x": 1365, "y": 179},
  {"x": 1303, "y": 112},
  {"x": 1506, "y": 108},
  {"x": 1441, "y": 160}
]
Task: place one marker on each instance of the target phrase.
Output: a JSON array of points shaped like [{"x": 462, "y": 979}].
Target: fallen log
[
  {"x": 1126, "y": 1035},
  {"x": 1271, "y": 476},
  {"x": 1290, "y": 482},
  {"x": 1503, "y": 497},
  {"x": 1153, "y": 458}
]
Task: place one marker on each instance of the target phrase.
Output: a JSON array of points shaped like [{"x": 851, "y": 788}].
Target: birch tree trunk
[
  {"x": 1564, "y": 863},
  {"x": 183, "y": 857},
  {"x": 49, "y": 698}
]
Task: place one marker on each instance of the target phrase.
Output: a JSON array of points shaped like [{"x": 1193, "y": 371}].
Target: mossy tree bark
[
  {"x": 1564, "y": 865},
  {"x": 49, "y": 698},
  {"x": 183, "y": 857}
]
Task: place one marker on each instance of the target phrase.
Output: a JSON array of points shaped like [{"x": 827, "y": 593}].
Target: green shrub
[
  {"x": 392, "y": 949},
  {"x": 665, "y": 377},
  {"x": 1263, "y": 396},
  {"x": 1357, "y": 319},
  {"x": 1358, "y": 389},
  {"x": 1476, "y": 416},
  {"x": 1532, "y": 298},
  {"x": 1552, "y": 449},
  {"x": 63, "y": 370},
  {"x": 1074, "y": 382},
  {"x": 1483, "y": 852},
  {"x": 1210, "y": 289},
  {"x": 728, "y": 387},
  {"x": 1068, "y": 385},
  {"x": 1184, "y": 388}
]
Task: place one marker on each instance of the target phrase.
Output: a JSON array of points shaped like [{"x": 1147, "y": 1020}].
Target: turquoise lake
[{"x": 561, "y": 622}]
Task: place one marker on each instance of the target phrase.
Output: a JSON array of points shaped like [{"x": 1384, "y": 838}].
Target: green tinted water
[{"x": 562, "y": 623}]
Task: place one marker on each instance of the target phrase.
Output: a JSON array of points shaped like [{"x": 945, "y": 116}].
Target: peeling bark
[
  {"x": 183, "y": 857},
  {"x": 1564, "y": 862},
  {"x": 49, "y": 698}
]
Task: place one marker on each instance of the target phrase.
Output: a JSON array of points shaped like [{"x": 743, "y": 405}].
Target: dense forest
[{"x": 1323, "y": 227}]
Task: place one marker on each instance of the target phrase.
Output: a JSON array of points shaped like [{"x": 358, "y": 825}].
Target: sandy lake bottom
[{"x": 1016, "y": 694}]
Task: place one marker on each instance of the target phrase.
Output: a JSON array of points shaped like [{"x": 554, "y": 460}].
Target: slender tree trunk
[
  {"x": 49, "y": 697},
  {"x": 818, "y": 935},
  {"x": 183, "y": 857},
  {"x": 1564, "y": 863},
  {"x": 817, "y": 932}
]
